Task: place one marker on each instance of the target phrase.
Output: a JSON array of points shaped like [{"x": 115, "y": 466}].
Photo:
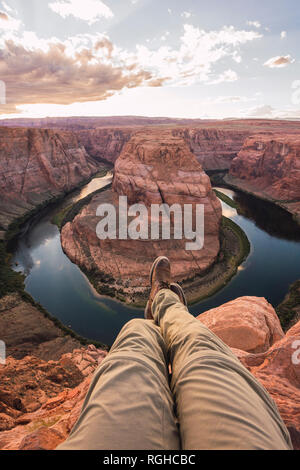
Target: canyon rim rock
[
  {"x": 26, "y": 331},
  {"x": 40, "y": 401},
  {"x": 269, "y": 166},
  {"x": 37, "y": 165},
  {"x": 251, "y": 324},
  {"x": 153, "y": 168},
  {"x": 104, "y": 144},
  {"x": 214, "y": 148},
  {"x": 278, "y": 369}
]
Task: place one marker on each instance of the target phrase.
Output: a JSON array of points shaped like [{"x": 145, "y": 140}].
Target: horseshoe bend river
[{"x": 60, "y": 286}]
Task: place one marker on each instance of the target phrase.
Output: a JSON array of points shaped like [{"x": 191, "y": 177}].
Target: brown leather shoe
[
  {"x": 177, "y": 289},
  {"x": 160, "y": 278}
]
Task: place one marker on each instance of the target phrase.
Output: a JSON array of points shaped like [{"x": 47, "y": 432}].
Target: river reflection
[{"x": 60, "y": 286}]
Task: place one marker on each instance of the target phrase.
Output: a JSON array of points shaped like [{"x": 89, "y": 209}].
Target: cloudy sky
[{"x": 191, "y": 58}]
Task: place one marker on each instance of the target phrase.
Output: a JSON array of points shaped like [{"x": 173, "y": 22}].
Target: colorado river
[{"x": 59, "y": 285}]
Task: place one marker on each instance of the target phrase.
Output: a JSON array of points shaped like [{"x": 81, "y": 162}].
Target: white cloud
[
  {"x": 8, "y": 8},
  {"x": 8, "y": 23},
  {"x": 227, "y": 76},
  {"x": 261, "y": 111},
  {"x": 169, "y": 11},
  {"x": 89, "y": 67},
  {"x": 230, "y": 99},
  {"x": 87, "y": 10},
  {"x": 279, "y": 61},
  {"x": 186, "y": 14},
  {"x": 256, "y": 24},
  {"x": 164, "y": 37},
  {"x": 283, "y": 34},
  {"x": 199, "y": 50},
  {"x": 269, "y": 112}
]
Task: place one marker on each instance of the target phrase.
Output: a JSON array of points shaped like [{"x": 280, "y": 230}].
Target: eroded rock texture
[
  {"x": 269, "y": 166},
  {"x": 104, "y": 144},
  {"x": 26, "y": 331},
  {"x": 214, "y": 148},
  {"x": 37, "y": 165},
  {"x": 250, "y": 324},
  {"x": 153, "y": 168},
  {"x": 40, "y": 401}
]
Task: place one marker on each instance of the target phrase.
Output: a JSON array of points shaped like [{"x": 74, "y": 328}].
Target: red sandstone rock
[
  {"x": 52, "y": 422},
  {"x": 214, "y": 148},
  {"x": 37, "y": 165},
  {"x": 270, "y": 165},
  {"x": 36, "y": 411},
  {"x": 280, "y": 375},
  {"x": 247, "y": 323},
  {"x": 154, "y": 167},
  {"x": 42, "y": 439},
  {"x": 104, "y": 143}
]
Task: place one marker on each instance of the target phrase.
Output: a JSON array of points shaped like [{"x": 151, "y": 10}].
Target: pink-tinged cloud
[
  {"x": 89, "y": 67},
  {"x": 279, "y": 61},
  {"x": 3, "y": 16},
  {"x": 54, "y": 76}
]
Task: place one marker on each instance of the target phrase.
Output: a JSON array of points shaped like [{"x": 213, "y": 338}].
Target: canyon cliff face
[
  {"x": 214, "y": 148},
  {"x": 26, "y": 331},
  {"x": 37, "y": 165},
  {"x": 153, "y": 168},
  {"x": 269, "y": 166},
  {"x": 40, "y": 401},
  {"x": 215, "y": 143},
  {"x": 104, "y": 144},
  {"x": 44, "y": 379}
]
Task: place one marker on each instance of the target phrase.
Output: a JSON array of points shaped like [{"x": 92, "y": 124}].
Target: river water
[{"x": 59, "y": 285}]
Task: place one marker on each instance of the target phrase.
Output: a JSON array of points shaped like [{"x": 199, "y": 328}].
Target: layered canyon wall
[
  {"x": 104, "y": 144},
  {"x": 269, "y": 166},
  {"x": 37, "y": 165},
  {"x": 214, "y": 148}
]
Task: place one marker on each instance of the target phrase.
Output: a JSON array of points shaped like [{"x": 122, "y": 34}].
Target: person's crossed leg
[{"x": 210, "y": 401}]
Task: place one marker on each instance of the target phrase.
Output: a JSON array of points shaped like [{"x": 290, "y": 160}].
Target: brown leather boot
[
  {"x": 177, "y": 289},
  {"x": 160, "y": 278}
]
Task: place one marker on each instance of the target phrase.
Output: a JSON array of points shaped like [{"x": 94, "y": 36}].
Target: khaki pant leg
[
  {"x": 220, "y": 405},
  {"x": 129, "y": 405}
]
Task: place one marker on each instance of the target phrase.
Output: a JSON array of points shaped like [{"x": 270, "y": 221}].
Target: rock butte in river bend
[
  {"x": 269, "y": 166},
  {"x": 37, "y": 165},
  {"x": 40, "y": 401},
  {"x": 153, "y": 168},
  {"x": 41, "y": 394}
]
